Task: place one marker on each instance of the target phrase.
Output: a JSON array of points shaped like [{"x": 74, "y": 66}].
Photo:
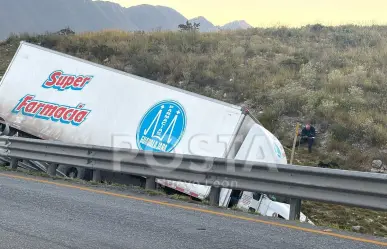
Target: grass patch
[
  {"x": 346, "y": 218},
  {"x": 340, "y": 81},
  {"x": 152, "y": 192},
  {"x": 5, "y": 168},
  {"x": 255, "y": 213},
  {"x": 206, "y": 202},
  {"x": 110, "y": 183},
  {"x": 235, "y": 208},
  {"x": 180, "y": 197}
]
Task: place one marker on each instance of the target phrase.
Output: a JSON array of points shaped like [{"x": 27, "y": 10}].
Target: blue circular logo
[{"x": 162, "y": 127}]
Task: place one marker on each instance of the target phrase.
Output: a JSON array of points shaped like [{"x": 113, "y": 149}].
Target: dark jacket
[{"x": 310, "y": 133}]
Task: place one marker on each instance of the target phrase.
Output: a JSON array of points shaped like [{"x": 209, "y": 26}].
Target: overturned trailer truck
[{"x": 50, "y": 95}]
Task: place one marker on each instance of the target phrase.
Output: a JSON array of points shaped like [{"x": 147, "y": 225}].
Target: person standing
[{"x": 308, "y": 135}]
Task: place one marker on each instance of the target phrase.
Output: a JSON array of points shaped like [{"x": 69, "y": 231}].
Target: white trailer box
[{"x": 54, "y": 96}]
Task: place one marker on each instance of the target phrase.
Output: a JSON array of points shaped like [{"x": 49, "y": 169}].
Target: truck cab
[{"x": 259, "y": 145}]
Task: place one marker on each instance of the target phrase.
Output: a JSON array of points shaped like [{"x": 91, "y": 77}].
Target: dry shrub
[{"x": 336, "y": 74}]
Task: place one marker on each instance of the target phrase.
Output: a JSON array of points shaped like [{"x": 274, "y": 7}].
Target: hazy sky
[{"x": 278, "y": 12}]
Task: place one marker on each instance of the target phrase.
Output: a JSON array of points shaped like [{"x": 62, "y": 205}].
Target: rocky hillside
[{"x": 335, "y": 77}]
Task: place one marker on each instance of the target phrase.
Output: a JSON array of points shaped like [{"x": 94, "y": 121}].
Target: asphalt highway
[{"x": 47, "y": 216}]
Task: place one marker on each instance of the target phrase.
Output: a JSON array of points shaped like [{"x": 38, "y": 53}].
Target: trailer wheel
[
  {"x": 4, "y": 128},
  {"x": 74, "y": 172}
]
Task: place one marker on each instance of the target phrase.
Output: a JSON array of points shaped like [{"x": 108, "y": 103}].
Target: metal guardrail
[
  {"x": 359, "y": 189},
  {"x": 31, "y": 165}
]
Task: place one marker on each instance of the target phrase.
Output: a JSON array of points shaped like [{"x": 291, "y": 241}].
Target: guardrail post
[
  {"x": 295, "y": 209},
  {"x": 14, "y": 163},
  {"x": 96, "y": 175},
  {"x": 214, "y": 196},
  {"x": 150, "y": 183},
  {"x": 51, "y": 169}
]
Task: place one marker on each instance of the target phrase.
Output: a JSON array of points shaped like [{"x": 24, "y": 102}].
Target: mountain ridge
[{"x": 87, "y": 15}]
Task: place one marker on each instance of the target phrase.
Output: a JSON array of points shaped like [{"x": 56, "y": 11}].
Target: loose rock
[
  {"x": 377, "y": 164},
  {"x": 378, "y": 171}
]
